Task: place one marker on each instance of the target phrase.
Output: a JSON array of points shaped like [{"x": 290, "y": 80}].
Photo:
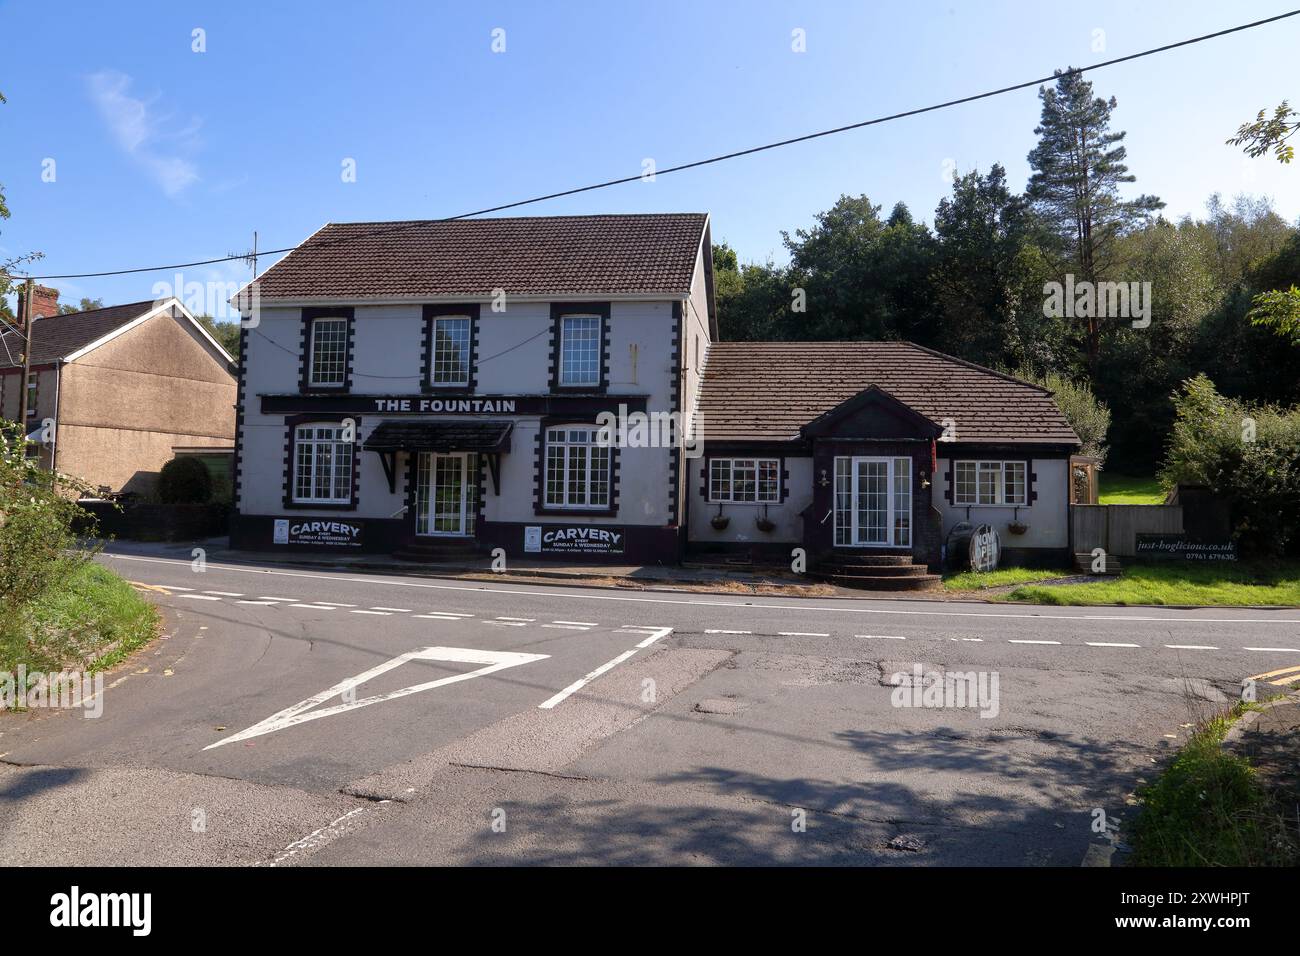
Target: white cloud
[{"x": 143, "y": 134}]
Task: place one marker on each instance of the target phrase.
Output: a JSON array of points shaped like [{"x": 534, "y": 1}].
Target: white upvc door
[
  {"x": 447, "y": 494},
  {"x": 873, "y": 502}
]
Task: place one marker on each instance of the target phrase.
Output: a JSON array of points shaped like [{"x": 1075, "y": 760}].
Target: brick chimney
[{"x": 45, "y": 302}]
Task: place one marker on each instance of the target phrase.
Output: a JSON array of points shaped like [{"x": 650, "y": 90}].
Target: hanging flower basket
[
  {"x": 764, "y": 523},
  {"x": 719, "y": 520},
  {"x": 1017, "y": 527}
]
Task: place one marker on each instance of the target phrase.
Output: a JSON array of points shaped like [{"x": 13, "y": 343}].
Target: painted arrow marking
[{"x": 302, "y": 712}]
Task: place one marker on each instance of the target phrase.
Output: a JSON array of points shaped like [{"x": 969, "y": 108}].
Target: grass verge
[
  {"x": 1127, "y": 490},
  {"x": 981, "y": 580},
  {"x": 1208, "y": 809},
  {"x": 1276, "y": 583},
  {"x": 92, "y": 619}
]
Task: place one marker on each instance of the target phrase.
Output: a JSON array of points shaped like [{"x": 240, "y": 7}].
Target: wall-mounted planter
[
  {"x": 1017, "y": 527},
  {"x": 719, "y": 520},
  {"x": 765, "y": 524}
]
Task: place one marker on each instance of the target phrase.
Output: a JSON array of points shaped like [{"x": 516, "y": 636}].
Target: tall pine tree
[{"x": 1078, "y": 166}]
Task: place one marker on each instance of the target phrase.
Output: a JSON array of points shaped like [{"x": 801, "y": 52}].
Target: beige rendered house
[{"x": 122, "y": 387}]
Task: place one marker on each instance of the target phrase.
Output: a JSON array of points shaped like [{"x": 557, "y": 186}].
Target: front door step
[{"x": 877, "y": 572}]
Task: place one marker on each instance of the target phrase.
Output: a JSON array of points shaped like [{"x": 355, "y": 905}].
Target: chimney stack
[{"x": 45, "y": 303}]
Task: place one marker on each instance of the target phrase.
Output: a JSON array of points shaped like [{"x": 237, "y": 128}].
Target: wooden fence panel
[{"x": 1115, "y": 527}]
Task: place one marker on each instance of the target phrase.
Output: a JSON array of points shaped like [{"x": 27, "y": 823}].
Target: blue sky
[{"x": 163, "y": 154}]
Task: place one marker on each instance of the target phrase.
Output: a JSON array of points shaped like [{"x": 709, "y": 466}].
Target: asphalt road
[{"x": 326, "y": 717}]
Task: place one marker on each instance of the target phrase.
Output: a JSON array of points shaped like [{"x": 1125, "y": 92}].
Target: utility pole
[{"x": 27, "y": 359}]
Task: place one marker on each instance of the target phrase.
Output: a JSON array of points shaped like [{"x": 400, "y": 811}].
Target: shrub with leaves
[
  {"x": 1087, "y": 415},
  {"x": 37, "y": 545},
  {"x": 1250, "y": 455},
  {"x": 184, "y": 481}
]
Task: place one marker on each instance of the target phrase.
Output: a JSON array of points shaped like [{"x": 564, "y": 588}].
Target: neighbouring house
[
  {"x": 431, "y": 387},
  {"x": 113, "y": 391}
]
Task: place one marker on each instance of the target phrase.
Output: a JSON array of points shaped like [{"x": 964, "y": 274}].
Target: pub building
[{"x": 434, "y": 389}]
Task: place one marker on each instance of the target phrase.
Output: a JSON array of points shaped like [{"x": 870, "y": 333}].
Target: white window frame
[
  {"x": 595, "y": 460},
  {"x": 312, "y": 378},
  {"x": 337, "y": 462},
  {"x": 466, "y": 349},
  {"x": 563, "y": 375},
  {"x": 997, "y": 471},
  {"x": 896, "y": 515},
  {"x": 744, "y": 466},
  {"x": 33, "y": 390}
]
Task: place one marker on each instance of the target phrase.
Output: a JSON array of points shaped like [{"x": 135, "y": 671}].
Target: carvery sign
[
  {"x": 319, "y": 531},
  {"x": 573, "y": 539}
]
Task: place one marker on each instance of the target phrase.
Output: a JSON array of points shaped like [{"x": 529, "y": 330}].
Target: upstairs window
[
  {"x": 31, "y": 395},
  {"x": 580, "y": 348},
  {"x": 329, "y": 353},
  {"x": 451, "y": 350},
  {"x": 989, "y": 483}
]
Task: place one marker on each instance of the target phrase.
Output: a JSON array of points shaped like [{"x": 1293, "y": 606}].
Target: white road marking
[
  {"x": 804, "y": 608},
  {"x": 334, "y": 603},
  {"x": 438, "y": 617},
  {"x": 525, "y": 620},
  {"x": 396, "y": 610},
  {"x": 315, "y": 607},
  {"x": 566, "y": 627},
  {"x": 582, "y": 682},
  {"x": 315, "y": 838},
  {"x": 1192, "y": 647},
  {"x": 582, "y": 623},
  {"x": 1289, "y": 650},
  {"x": 1033, "y": 642},
  {"x": 199, "y": 597},
  {"x": 376, "y": 613},
  {"x": 717, "y": 631},
  {"x": 302, "y": 711},
  {"x": 801, "y": 634},
  {"x": 265, "y": 597},
  {"x": 977, "y": 640},
  {"x": 880, "y": 637},
  {"x": 226, "y": 593},
  {"x": 175, "y": 587},
  {"x": 454, "y": 614},
  {"x": 1109, "y": 644},
  {"x": 507, "y": 623},
  {"x": 263, "y": 603}
]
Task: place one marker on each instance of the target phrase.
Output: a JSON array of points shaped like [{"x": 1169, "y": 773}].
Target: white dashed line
[
  {"x": 1109, "y": 644},
  {"x": 394, "y": 610},
  {"x": 315, "y": 607},
  {"x": 566, "y": 627},
  {"x": 263, "y": 603},
  {"x": 174, "y": 587},
  {"x": 199, "y": 597},
  {"x": 1191, "y": 647},
  {"x": 1033, "y": 642},
  {"x": 1289, "y": 650},
  {"x": 437, "y": 617},
  {"x": 525, "y": 620},
  {"x": 334, "y": 603},
  {"x": 581, "y": 623},
  {"x": 266, "y": 597},
  {"x": 226, "y": 593},
  {"x": 717, "y": 631},
  {"x": 376, "y": 613},
  {"x": 880, "y": 637},
  {"x": 976, "y": 640},
  {"x": 801, "y": 634},
  {"x": 508, "y": 623}
]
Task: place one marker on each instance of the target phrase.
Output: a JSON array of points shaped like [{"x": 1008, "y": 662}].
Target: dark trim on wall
[
  {"x": 291, "y": 423},
  {"x": 675, "y": 405},
  {"x": 558, "y": 311},
  {"x": 539, "y": 475},
  {"x": 782, "y": 477},
  {"x": 309, "y": 315},
  {"x": 241, "y": 395},
  {"x": 441, "y": 310}
]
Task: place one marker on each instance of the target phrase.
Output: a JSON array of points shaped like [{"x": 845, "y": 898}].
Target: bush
[
  {"x": 1087, "y": 415},
  {"x": 184, "y": 481},
  {"x": 37, "y": 545},
  {"x": 1250, "y": 455}
]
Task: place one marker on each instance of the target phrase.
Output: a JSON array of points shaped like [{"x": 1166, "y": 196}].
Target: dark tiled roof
[
  {"x": 440, "y": 436},
  {"x": 60, "y": 335},
  {"x": 768, "y": 390},
  {"x": 551, "y": 255}
]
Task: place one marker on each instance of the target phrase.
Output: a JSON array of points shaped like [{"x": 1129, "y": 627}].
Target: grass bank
[
  {"x": 1209, "y": 809},
  {"x": 91, "y": 620},
  {"x": 1225, "y": 584},
  {"x": 1002, "y": 577},
  {"x": 1126, "y": 490}
]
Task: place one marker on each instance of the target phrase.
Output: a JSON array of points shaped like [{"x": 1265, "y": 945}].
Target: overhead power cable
[{"x": 356, "y": 237}]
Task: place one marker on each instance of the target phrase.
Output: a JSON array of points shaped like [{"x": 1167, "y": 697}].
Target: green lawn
[
  {"x": 1229, "y": 584},
  {"x": 1127, "y": 490},
  {"x": 980, "y": 580},
  {"x": 92, "y": 611}
]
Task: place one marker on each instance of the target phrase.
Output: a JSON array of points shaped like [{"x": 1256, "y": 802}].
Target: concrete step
[
  {"x": 1111, "y": 566},
  {"x": 874, "y": 570},
  {"x": 871, "y": 582},
  {"x": 865, "y": 560}
]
